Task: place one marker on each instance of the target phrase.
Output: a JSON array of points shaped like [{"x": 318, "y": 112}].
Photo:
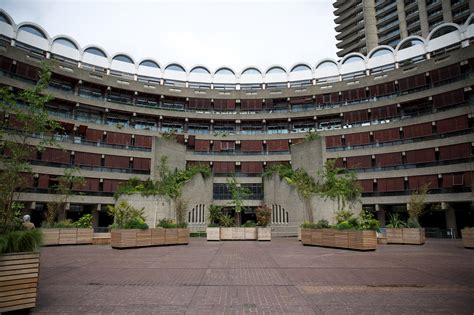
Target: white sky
[{"x": 235, "y": 33}]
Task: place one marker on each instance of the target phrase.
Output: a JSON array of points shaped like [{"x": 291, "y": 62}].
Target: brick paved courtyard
[{"x": 281, "y": 276}]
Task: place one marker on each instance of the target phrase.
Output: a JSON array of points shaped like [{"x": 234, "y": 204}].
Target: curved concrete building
[{"x": 399, "y": 117}]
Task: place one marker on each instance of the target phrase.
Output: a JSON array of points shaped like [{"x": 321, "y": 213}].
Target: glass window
[
  {"x": 326, "y": 64},
  {"x": 443, "y": 31},
  {"x": 150, "y": 64},
  {"x": 33, "y": 30},
  {"x": 300, "y": 68},
  {"x": 225, "y": 71},
  {"x": 200, "y": 70},
  {"x": 381, "y": 52},
  {"x": 410, "y": 43},
  {"x": 65, "y": 42},
  {"x": 4, "y": 19},
  {"x": 251, "y": 71},
  {"x": 95, "y": 51},
  {"x": 276, "y": 70},
  {"x": 175, "y": 67},
  {"x": 353, "y": 59},
  {"x": 123, "y": 58}
]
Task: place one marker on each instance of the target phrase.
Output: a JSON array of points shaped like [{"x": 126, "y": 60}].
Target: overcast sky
[{"x": 235, "y": 33}]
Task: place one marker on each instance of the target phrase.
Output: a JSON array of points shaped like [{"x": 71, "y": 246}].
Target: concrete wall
[
  {"x": 197, "y": 191},
  {"x": 173, "y": 151}
]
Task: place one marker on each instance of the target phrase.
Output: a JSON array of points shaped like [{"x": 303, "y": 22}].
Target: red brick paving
[{"x": 279, "y": 277}]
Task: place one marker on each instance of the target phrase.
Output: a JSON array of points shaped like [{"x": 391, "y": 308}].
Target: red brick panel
[
  {"x": 43, "y": 181},
  {"x": 251, "y": 105},
  {"x": 114, "y": 161},
  {"x": 388, "y": 159},
  {"x": 453, "y": 180},
  {"x": 384, "y": 112},
  {"x": 420, "y": 130},
  {"x": 457, "y": 151},
  {"x": 356, "y": 116},
  {"x": 202, "y": 145},
  {"x": 141, "y": 164},
  {"x": 420, "y": 156},
  {"x": 386, "y": 135},
  {"x": 333, "y": 141},
  {"x": 118, "y": 138},
  {"x": 367, "y": 185},
  {"x": 143, "y": 141},
  {"x": 91, "y": 159},
  {"x": 90, "y": 184},
  {"x": 251, "y": 167},
  {"x": 224, "y": 104},
  {"x": 55, "y": 155},
  {"x": 224, "y": 167},
  {"x": 110, "y": 185},
  {"x": 223, "y": 146},
  {"x": 359, "y": 162},
  {"x": 94, "y": 135},
  {"x": 445, "y": 73},
  {"x": 391, "y": 184},
  {"x": 416, "y": 182},
  {"x": 413, "y": 82},
  {"x": 251, "y": 146},
  {"x": 382, "y": 89},
  {"x": 357, "y": 138},
  {"x": 452, "y": 124},
  {"x": 199, "y": 103},
  {"x": 448, "y": 99},
  {"x": 351, "y": 95},
  {"x": 277, "y": 145},
  {"x": 27, "y": 180}
]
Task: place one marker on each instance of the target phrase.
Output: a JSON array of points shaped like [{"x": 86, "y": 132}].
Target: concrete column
[
  {"x": 450, "y": 218},
  {"x": 423, "y": 19},
  {"x": 447, "y": 13},
  {"x": 95, "y": 218},
  {"x": 401, "y": 19},
  {"x": 370, "y": 25},
  {"x": 380, "y": 211}
]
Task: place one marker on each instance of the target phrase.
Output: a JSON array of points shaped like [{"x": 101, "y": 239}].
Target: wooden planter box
[
  {"x": 18, "y": 281},
  {"x": 349, "y": 239},
  {"x": 264, "y": 233},
  {"x": 415, "y": 236},
  {"x": 213, "y": 233},
  {"x": 67, "y": 236},
  {"x": 238, "y": 234},
  {"x": 467, "y": 238},
  {"x": 129, "y": 238}
]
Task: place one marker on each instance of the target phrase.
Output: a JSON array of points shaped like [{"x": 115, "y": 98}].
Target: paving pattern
[{"x": 277, "y": 277}]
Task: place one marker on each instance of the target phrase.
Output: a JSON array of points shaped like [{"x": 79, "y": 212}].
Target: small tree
[
  {"x": 264, "y": 214},
  {"x": 417, "y": 205},
  {"x": 238, "y": 195},
  {"x": 126, "y": 216},
  {"x": 26, "y": 108},
  {"x": 67, "y": 183},
  {"x": 181, "y": 208},
  {"x": 214, "y": 214}
]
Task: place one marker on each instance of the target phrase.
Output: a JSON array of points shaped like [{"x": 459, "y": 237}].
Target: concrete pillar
[
  {"x": 447, "y": 13},
  {"x": 450, "y": 218},
  {"x": 401, "y": 19},
  {"x": 95, "y": 218},
  {"x": 423, "y": 19},
  {"x": 380, "y": 211},
  {"x": 370, "y": 24}
]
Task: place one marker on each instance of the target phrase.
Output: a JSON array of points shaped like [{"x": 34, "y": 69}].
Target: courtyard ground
[{"x": 281, "y": 276}]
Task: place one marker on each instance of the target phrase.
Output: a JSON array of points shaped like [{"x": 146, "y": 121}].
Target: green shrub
[
  {"x": 64, "y": 224},
  {"x": 249, "y": 224},
  {"x": 166, "y": 223},
  {"x": 322, "y": 224},
  {"x": 182, "y": 225},
  {"x": 136, "y": 223},
  {"x": 125, "y": 216},
  {"x": 367, "y": 221},
  {"x": 84, "y": 222},
  {"x": 226, "y": 220},
  {"x": 468, "y": 228},
  {"x": 214, "y": 213},
  {"x": 213, "y": 225},
  {"x": 395, "y": 221},
  {"x": 344, "y": 225},
  {"x": 308, "y": 225},
  {"x": 413, "y": 223},
  {"x": 21, "y": 241}
]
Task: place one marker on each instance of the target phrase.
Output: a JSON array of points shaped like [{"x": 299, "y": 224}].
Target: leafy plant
[
  {"x": 417, "y": 205},
  {"x": 26, "y": 108},
  {"x": 135, "y": 223},
  {"x": 166, "y": 223},
  {"x": 264, "y": 214},
  {"x": 345, "y": 225},
  {"x": 238, "y": 195},
  {"x": 125, "y": 215},
  {"x": 395, "y": 221},
  {"x": 311, "y": 135},
  {"x": 249, "y": 224},
  {"x": 308, "y": 225},
  {"x": 20, "y": 241},
  {"x": 214, "y": 214},
  {"x": 367, "y": 221},
  {"x": 322, "y": 224},
  {"x": 63, "y": 224},
  {"x": 84, "y": 222},
  {"x": 226, "y": 220}
]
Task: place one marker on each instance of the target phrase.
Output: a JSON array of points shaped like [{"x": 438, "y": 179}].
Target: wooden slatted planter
[
  {"x": 414, "y": 236},
  {"x": 67, "y": 236},
  {"x": 264, "y": 233},
  {"x": 467, "y": 238},
  {"x": 130, "y": 238},
  {"x": 18, "y": 281},
  {"x": 349, "y": 239}
]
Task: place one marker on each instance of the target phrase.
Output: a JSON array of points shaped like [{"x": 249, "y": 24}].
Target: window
[
  {"x": 33, "y": 30},
  {"x": 149, "y": 64},
  {"x": 95, "y": 51},
  {"x": 65, "y": 42},
  {"x": 123, "y": 58}
]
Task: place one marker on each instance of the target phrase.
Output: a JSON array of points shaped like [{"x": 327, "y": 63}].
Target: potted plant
[
  {"x": 410, "y": 232},
  {"x": 129, "y": 228},
  {"x": 213, "y": 229},
  {"x": 467, "y": 235},
  {"x": 173, "y": 233},
  {"x": 264, "y": 233},
  {"x": 226, "y": 223},
  {"x": 250, "y": 230},
  {"x": 348, "y": 233}
]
